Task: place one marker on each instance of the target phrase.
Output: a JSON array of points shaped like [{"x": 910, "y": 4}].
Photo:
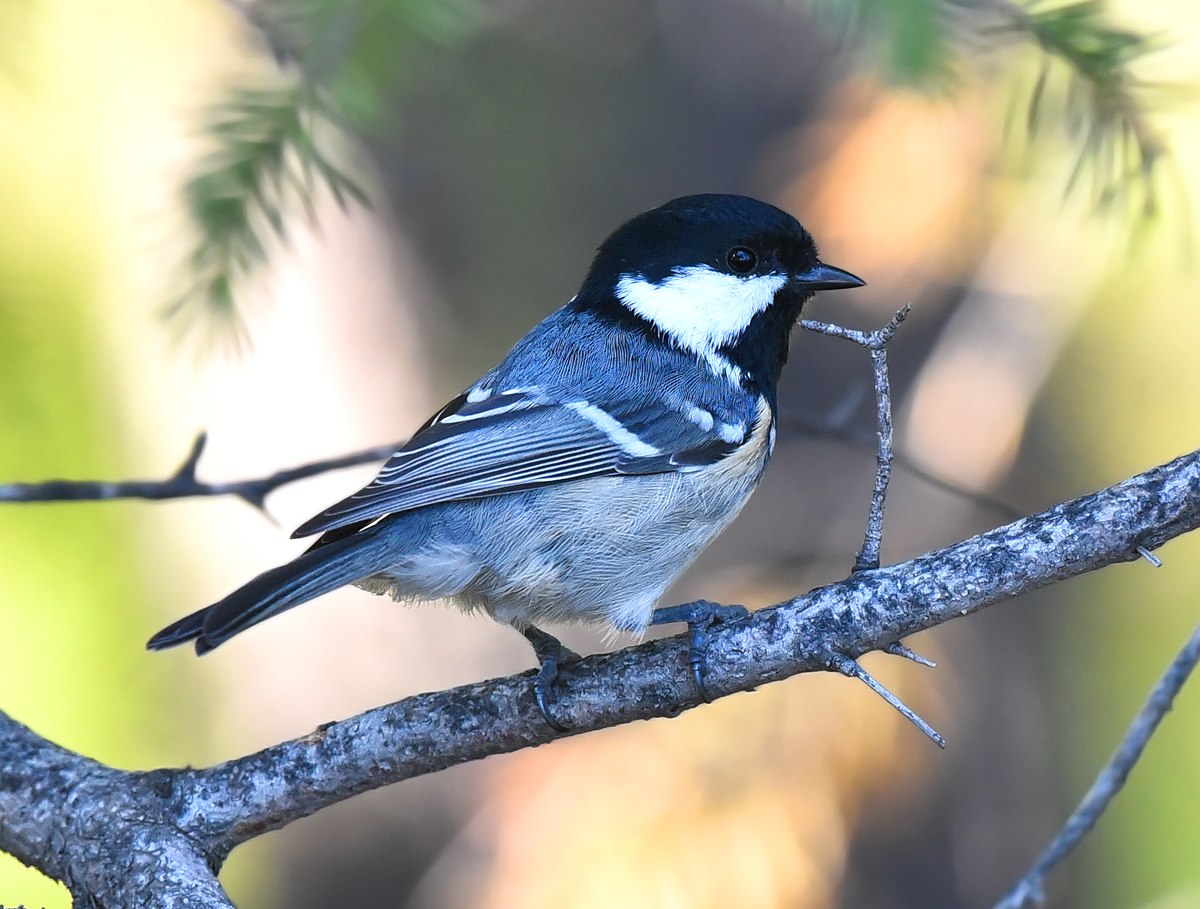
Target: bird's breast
[{"x": 739, "y": 472}]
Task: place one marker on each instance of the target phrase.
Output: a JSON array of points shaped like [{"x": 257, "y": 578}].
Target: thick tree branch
[
  {"x": 53, "y": 804},
  {"x": 113, "y": 838}
]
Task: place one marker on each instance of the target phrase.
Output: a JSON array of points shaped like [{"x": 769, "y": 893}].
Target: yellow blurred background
[{"x": 1051, "y": 351}]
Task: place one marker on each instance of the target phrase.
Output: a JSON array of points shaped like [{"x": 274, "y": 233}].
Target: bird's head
[{"x": 721, "y": 276}]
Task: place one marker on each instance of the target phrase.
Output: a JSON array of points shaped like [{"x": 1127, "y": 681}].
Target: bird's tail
[{"x": 318, "y": 571}]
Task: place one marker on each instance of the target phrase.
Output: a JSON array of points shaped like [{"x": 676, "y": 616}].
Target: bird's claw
[
  {"x": 550, "y": 655},
  {"x": 700, "y": 616}
]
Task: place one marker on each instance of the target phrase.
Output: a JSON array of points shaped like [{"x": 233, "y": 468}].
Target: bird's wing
[{"x": 522, "y": 439}]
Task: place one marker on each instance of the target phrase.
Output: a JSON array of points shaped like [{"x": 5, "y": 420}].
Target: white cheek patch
[{"x": 699, "y": 308}]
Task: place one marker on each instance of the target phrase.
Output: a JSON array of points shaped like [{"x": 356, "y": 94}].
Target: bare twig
[
  {"x": 876, "y": 343},
  {"x": 105, "y": 831},
  {"x": 868, "y": 556},
  {"x": 897, "y": 649},
  {"x": 1030, "y": 890},
  {"x": 851, "y": 669},
  {"x": 183, "y": 483},
  {"x": 1103, "y": 104},
  {"x": 1149, "y": 556}
]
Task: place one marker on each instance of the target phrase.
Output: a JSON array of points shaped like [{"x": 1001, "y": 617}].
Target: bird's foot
[
  {"x": 550, "y": 654},
  {"x": 700, "y": 617}
]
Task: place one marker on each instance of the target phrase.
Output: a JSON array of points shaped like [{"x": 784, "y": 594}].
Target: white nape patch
[
  {"x": 700, "y": 308},
  {"x": 477, "y": 394},
  {"x": 732, "y": 432},
  {"x": 611, "y": 427},
  {"x": 698, "y": 415}
]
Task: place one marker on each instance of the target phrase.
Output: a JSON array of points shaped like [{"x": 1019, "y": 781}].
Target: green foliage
[
  {"x": 356, "y": 51},
  {"x": 909, "y": 41},
  {"x": 1085, "y": 79},
  {"x": 267, "y": 155},
  {"x": 272, "y": 145},
  {"x": 1097, "y": 96}
]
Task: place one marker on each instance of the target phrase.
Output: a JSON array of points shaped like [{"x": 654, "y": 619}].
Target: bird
[{"x": 575, "y": 481}]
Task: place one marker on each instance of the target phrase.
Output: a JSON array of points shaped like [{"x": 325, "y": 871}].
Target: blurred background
[{"x": 993, "y": 168}]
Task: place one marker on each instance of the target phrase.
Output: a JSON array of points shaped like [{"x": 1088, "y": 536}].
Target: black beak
[{"x": 826, "y": 277}]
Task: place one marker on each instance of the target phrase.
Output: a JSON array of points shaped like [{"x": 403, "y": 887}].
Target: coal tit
[{"x": 579, "y": 478}]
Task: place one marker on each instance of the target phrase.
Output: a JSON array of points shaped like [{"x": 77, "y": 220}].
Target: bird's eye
[{"x": 741, "y": 259}]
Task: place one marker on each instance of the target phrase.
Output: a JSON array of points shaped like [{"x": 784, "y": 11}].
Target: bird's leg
[
  {"x": 550, "y": 654},
  {"x": 700, "y": 617}
]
